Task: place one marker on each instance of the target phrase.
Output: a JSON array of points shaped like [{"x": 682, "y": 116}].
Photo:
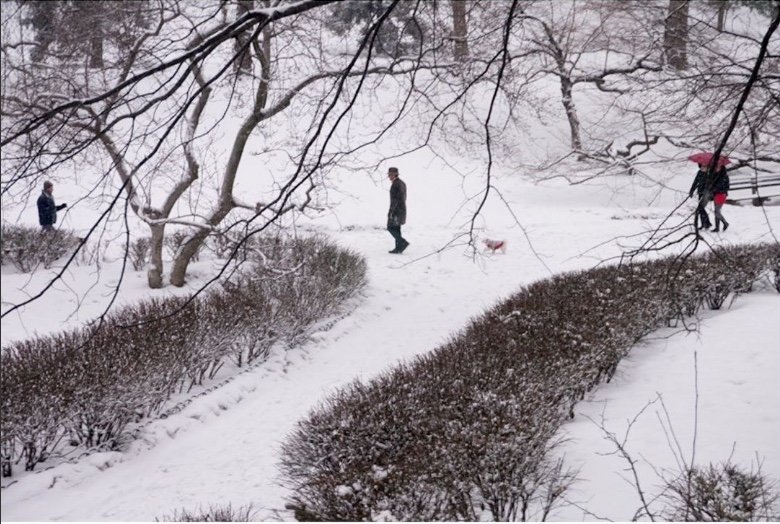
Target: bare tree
[
  {"x": 151, "y": 119},
  {"x": 563, "y": 36}
]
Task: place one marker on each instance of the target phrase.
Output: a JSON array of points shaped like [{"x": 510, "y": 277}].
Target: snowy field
[{"x": 224, "y": 447}]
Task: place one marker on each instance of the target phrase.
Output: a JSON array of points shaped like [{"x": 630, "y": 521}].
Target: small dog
[{"x": 495, "y": 245}]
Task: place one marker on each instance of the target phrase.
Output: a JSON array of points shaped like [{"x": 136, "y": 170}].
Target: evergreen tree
[{"x": 76, "y": 29}]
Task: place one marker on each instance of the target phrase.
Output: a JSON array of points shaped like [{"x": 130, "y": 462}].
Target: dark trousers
[
  {"x": 701, "y": 211},
  {"x": 400, "y": 242}
]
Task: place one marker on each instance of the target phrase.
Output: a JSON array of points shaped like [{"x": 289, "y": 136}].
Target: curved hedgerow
[
  {"x": 463, "y": 433},
  {"x": 84, "y": 386},
  {"x": 28, "y": 248}
]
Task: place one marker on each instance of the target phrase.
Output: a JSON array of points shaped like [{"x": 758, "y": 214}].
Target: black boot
[
  {"x": 717, "y": 225},
  {"x": 725, "y": 226}
]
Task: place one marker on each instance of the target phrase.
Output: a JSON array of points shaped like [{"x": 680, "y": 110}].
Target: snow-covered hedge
[
  {"x": 462, "y": 433},
  {"x": 28, "y": 248},
  {"x": 83, "y": 387}
]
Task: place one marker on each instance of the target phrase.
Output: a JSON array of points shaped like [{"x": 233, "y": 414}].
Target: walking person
[
  {"x": 47, "y": 209},
  {"x": 720, "y": 189},
  {"x": 700, "y": 187},
  {"x": 396, "y": 216}
]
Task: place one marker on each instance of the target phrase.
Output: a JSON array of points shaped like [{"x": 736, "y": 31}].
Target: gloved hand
[{"x": 62, "y": 206}]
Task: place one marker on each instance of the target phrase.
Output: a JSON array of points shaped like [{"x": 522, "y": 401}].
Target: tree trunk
[
  {"x": 460, "y": 30},
  {"x": 226, "y": 203},
  {"x": 96, "y": 52},
  {"x": 558, "y": 54},
  {"x": 722, "y": 8},
  {"x": 183, "y": 258},
  {"x": 571, "y": 112},
  {"x": 154, "y": 275},
  {"x": 676, "y": 35}
]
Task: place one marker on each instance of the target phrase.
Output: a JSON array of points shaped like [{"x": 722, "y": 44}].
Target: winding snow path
[
  {"x": 224, "y": 448},
  {"x": 209, "y": 455}
]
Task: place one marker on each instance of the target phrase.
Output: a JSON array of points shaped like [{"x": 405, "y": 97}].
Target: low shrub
[
  {"x": 213, "y": 514},
  {"x": 28, "y": 247},
  {"x": 463, "y": 433},
  {"x": 721, "y": 493},
  {"x": 139, "y": 252},
  {"x": 232, "y": 242},
  {"x": 83, "y": 387}
]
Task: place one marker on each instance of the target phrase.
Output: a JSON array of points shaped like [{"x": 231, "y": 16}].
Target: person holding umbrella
[
  {"x": 705, "y": 189},
  {"x": 700, "y": 186}
]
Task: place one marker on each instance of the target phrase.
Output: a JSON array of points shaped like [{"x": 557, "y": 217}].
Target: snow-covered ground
[{"x": 224, "y": 447}]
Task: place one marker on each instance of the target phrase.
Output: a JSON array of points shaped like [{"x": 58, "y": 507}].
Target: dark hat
[{"x": 392, "y": 171}]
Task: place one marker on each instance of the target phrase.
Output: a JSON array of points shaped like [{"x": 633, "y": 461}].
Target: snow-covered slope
[{"x": 224, "y": 447}]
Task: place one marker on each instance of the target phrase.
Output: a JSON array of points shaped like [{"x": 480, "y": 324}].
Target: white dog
[{"x": 495, "y": 245}]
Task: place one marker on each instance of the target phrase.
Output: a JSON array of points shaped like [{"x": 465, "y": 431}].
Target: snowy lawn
[{"x": 224, "y": 447}]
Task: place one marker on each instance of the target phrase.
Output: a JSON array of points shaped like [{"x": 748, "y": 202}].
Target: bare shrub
[
  {"x": 28, "y": 248},
  {"x": 464, "y": 432},
  {"x": 226, "y": 513},
  {"x": 139, "y": 252},
  {"x": 722, "y": 493},
  {"x": 85, "y": 386},
  {"x": 232, "y": 238}
]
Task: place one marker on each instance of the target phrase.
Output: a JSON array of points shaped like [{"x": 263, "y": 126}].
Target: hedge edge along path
[
  {"x": 85, "y": 388},
  {"x": 463, "y": 433}
]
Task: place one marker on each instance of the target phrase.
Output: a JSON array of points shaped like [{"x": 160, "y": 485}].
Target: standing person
[
  {"x": 720, "y": 189},
  {"x": 47, "y": 209},
  {"x": 700, "y": 186},
  {"x": 396, "y": 216}
]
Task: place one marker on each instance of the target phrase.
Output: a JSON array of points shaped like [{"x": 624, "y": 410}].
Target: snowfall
[{"x": 718, "y": 382}]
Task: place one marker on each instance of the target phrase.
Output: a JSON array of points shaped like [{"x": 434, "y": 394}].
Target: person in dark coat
[
  {"x": 47, "y": 209},
  {"x": 396, "y": 216},
  {"x": 720, "y": 189},
  {"x": 700, "y": 187}
]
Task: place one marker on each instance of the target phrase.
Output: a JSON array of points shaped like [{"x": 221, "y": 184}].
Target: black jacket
[
  {"x": 721, "y": 182},
  {"x": 699, "y": 184},
  {"x": 47, "y": 209},
  {"x": 396, "y": 216}
]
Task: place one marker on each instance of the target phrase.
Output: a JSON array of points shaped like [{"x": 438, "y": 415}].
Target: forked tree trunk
[
  {"x": 567, "y": 87},
  {"x": 226, "y": 204},
  {"x": 676, "y": 35}
]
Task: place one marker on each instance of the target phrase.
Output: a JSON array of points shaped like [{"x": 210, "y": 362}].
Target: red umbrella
[{"x": 705, "y": 158}]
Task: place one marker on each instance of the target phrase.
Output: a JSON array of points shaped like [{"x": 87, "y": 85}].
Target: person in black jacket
[
  {"x": 396, "y": 216},
  {"x": 47, "y": 209},
  {"x": 720, "y": 189},
  {"x": 700, "y": 186}
]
